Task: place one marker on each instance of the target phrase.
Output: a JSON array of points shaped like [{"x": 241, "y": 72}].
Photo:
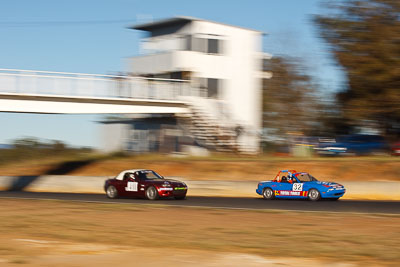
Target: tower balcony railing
[{"x": 79, "y": 85}]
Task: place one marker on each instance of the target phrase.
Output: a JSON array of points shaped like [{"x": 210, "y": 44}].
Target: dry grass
[
  {"x": 229, "y": 168},
  {"x": 361, "y": 239}
]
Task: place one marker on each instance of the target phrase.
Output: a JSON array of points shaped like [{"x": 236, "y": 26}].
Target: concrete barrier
[{"x": 382, "y": 190}]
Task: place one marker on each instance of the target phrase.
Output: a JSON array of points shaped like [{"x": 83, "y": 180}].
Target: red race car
[{"x": 144, "y": 183}]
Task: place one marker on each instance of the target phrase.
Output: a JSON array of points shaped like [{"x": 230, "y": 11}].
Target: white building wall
[{"x": 238, "y": 67}]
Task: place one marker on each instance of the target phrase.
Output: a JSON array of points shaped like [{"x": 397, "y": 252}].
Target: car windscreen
[
  {"x": 305, "y": 177},
  {"x": 149, "y": 175}
]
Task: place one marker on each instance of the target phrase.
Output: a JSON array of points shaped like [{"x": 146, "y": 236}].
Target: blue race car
[
  {"x": 356, "y": 144},
  {"x": 299, "y": 185}
]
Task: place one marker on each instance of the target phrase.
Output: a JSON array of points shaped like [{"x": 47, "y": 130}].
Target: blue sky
[{"x": 101, "y": 47}]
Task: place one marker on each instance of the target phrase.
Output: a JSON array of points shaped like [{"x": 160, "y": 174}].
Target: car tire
[
  {"x": 180, "y": 197},
  {"x": 151, "y": 193},
  {"x": 314, "y": 194},
  {"x": 112, "y": 192},
  {"x": 268, "y": 193}
]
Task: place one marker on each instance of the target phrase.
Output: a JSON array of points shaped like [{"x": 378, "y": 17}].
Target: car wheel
[
  {"x": 314, "y": 195},
  {"x": 112, "y": 192},
  {"x": 268, "y": 193},
  {"x": 151, "y": 193},
  {"x": 180, "y": 197}
]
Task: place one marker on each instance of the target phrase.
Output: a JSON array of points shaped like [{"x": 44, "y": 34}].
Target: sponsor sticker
[
  {"x": 165, "y": 189},
  {"x": 290, "y": 193}
]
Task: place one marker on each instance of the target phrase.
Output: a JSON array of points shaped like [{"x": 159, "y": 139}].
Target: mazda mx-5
[
  {"x": 299, "y": 185},
  {"x": 144, "y": 184}
]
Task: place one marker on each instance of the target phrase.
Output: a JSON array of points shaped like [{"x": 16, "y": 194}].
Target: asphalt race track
[{"x": 256, "y": 203}]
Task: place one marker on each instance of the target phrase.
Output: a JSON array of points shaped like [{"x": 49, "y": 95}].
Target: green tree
[
  {"x": 364, "y": 37},
  {"x": 289, "y": 99}
]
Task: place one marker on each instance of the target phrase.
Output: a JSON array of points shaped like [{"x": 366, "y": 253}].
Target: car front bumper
[
  {"x": 172, "y": 192},
  {"x": 333, "y": 193}
]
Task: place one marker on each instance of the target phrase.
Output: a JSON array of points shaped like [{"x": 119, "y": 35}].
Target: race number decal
[
  {"x": 297, "y": 187},
  {"x": 131, "y": 186}
]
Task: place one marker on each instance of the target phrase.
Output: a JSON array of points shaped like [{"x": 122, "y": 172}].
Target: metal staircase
[{"x": 210, "y": 125}]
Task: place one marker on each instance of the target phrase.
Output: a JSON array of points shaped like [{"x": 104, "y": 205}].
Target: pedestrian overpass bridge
[
  {"x": 76, "y": 93},
  {"x": 28, "y": 91}
]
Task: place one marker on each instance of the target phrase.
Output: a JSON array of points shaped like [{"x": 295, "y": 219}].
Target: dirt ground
[
  {"x": 57, "y": 233},
  {"x": 351, "y": 169}
]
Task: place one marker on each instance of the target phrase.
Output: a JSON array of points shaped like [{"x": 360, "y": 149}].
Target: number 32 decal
[{"x": 297, "y": 187}]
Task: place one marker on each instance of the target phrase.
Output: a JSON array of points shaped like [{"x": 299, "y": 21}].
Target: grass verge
[{"x": 355, "y": 238}]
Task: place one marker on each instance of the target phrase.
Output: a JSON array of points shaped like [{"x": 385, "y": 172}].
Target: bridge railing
[{"x": 28, "y": 82}]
